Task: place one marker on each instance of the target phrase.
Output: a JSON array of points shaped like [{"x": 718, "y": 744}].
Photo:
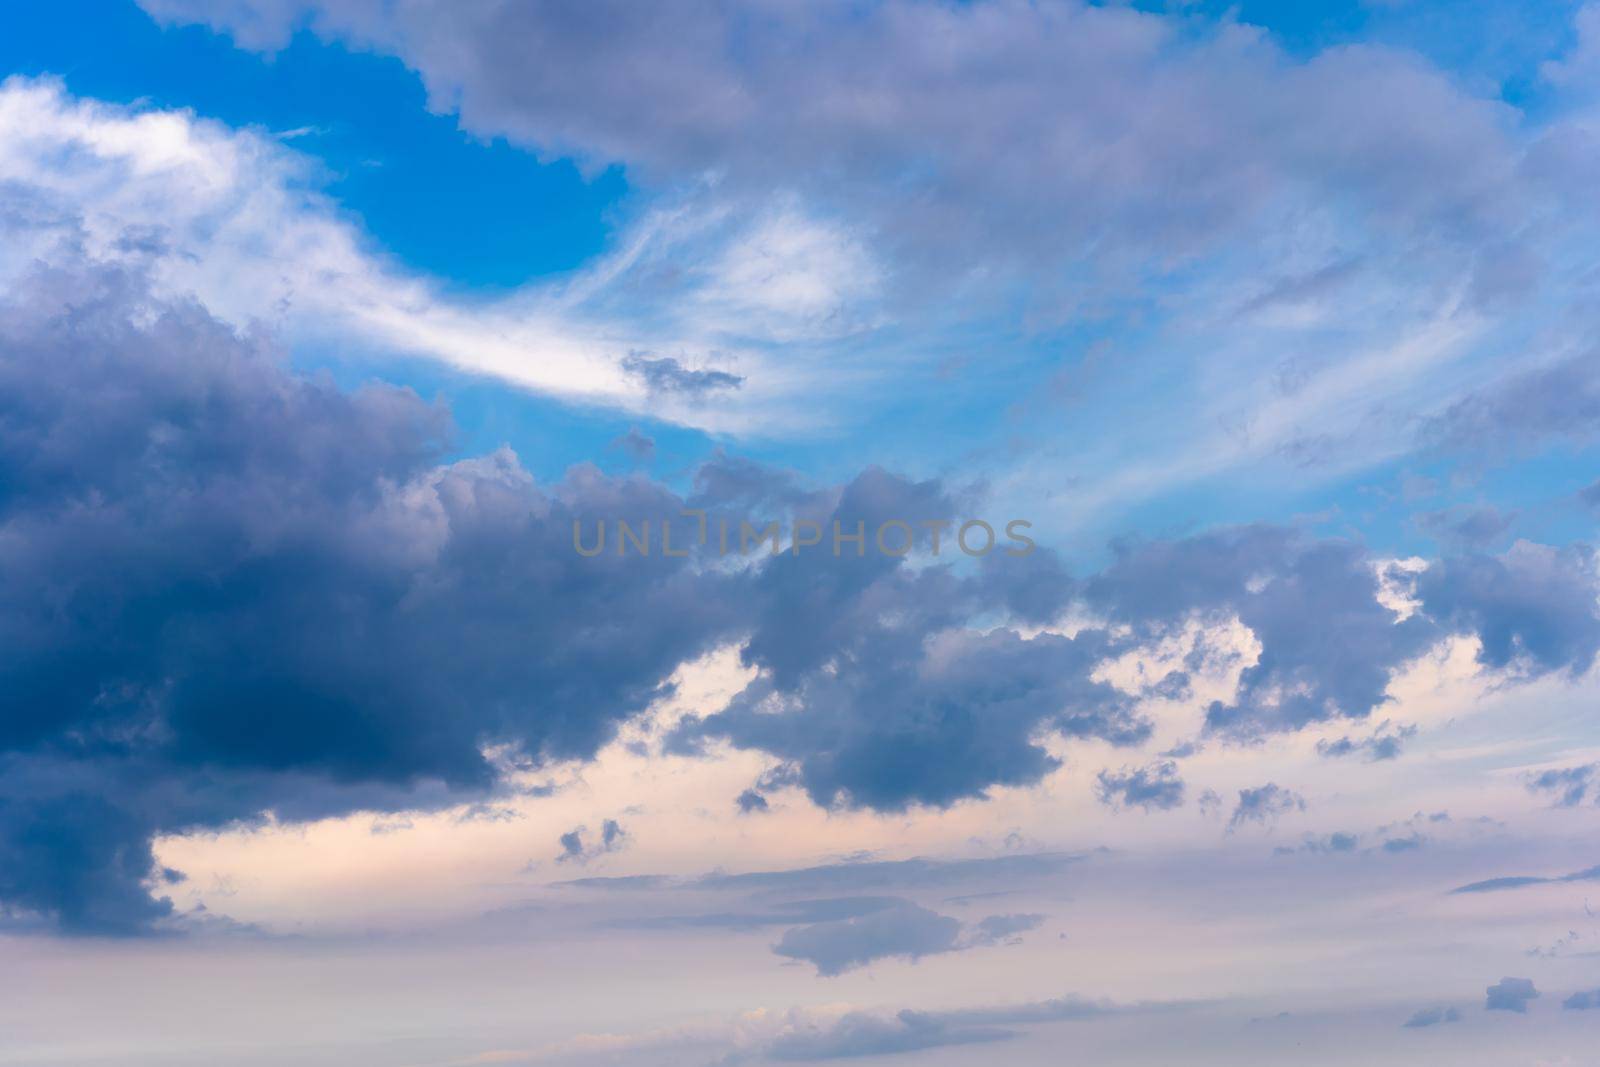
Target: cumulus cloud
[
  {"x": 1568, "y": 786},
  {"x": 1585, "y": 1001},
  {"x": 1264, "y": 804},
  {"x": 573, "y": 849},
  {"x": 236, "y": 527},
  {"x": 1533, "y": 608},
  {"x": 1155, "y": 786},
  {"x": 1432, "y": 1017},
  {"x": 1510, "y": 994},
  {"x": 874, "y": 695},
  {"x": 1286, "y": 590},
  {"x": 226, "y": 585}
]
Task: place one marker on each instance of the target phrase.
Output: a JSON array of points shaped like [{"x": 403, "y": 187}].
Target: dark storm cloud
[
  {"x": 1155, "y": 786},
  {"x": 230, "y": 591}
]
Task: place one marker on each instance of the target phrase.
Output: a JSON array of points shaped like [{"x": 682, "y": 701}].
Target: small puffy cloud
[
  {"x": 666, "y": 375},
  {"x": 1156, "y": 786},
  {"x": 573, "y": 849},
  {"x": 906, "y": 930},
  {"x": 1432, "y": 1017},
  {"x": 1568, "y": 786},
  {"x": 750, "y": 802},
  {"x": 1588, "y": 1000},
  {"x": 639, "y": 447},
  {"x": 1510, "y": 994},
  {"x": 1383, "y": 744},
  {"x": 1410, "y": 843},
  {"x": 1264, "y": 804}
]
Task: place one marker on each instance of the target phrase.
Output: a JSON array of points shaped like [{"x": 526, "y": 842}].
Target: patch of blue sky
[{"x": 477, "y": 215}]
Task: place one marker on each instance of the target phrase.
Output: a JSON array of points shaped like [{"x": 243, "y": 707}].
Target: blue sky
[{"x": 324, "y": 323}]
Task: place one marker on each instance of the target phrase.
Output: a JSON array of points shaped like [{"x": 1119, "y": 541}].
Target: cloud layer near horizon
[{"x": 233, "y": 591}]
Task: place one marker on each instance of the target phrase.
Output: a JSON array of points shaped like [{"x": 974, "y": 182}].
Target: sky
[{"x": 398, "y": 671}]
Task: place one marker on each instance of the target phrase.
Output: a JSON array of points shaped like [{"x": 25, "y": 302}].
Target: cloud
[
  {"x": 894, "y": 929},
  {"x": 236, "y": 528},
  {"x": 906, "y": 930},
  {"x": 1585, "y": 1001},
  {"x": 1526, "y": 409},
  {"x": 1432, "y": 1017},
  {"x": 641, "y": 448},
  {"x": 997, "y": 929},
  {"x": 784, "y": 95},
  {"x": 666, "y": 375},
  {"x": 573, "y": 850},
  {"x": 271, "y": 562},
  {"x": 1520, "y": 881},
  {"x": 878, "y": 699},
  {"x": 1383, "y": 744},
  {"x": 860, "y": 1034},
  {"x": 1156, "y": 786},
  {"x": 236, "y": 220},
  {"x": 1510, "y": 994},
  {"x": 1285, "y": 589},
  {"x": 1533, "y": 608},
  {"x": 1469, "y": 527},
  {"x": 1331, "y": 843},
  {"x": 1410, "y": 843},
  {"x": 1264, "y": 804},
  {"x": 1570, "y": 785},
  {"x": 869, "y": 875}
]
